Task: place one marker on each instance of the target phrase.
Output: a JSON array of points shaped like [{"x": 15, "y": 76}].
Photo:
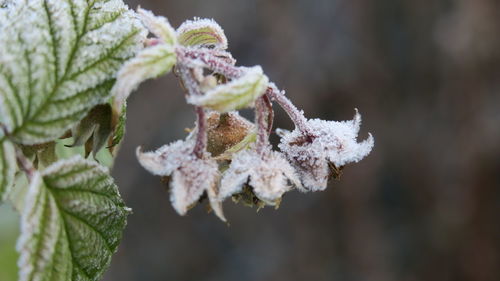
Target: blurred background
[{"x": 424, "y": 205}]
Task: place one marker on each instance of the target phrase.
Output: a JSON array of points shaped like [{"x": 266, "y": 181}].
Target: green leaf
[
  {"x": 237, "y": 94},
  {"x": 119, "y": 129},
  {"x": 7, "y": 166},
  {"x": 47, "y": 156},
  {"x": 59, "y": 60},
  {"x": 71, "y": 223},
  {"x": 202, "y": 32},
  {"x": 149, "y": 63}
]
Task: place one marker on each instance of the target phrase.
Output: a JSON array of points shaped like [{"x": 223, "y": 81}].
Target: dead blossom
[
  {"x": 190, "y": 177},
  {"x": 333, "y": 143},
  {"x": 226, "y": 155},
  {"x": 268, "y": 174}
]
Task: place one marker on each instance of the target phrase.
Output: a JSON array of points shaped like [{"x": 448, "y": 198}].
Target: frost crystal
[
  {"x": 333, "y": 142},
  {"x": 269, "y": 174}
]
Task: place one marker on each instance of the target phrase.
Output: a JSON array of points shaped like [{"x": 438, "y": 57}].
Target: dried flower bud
[
  {"x": 332, "y": 142},
  {"x": 226, "y": 130}
]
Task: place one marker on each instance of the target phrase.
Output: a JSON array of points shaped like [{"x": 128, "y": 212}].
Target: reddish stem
[
  {"x": 25, "y": 165},
  {"x": 296, "y": 115},
  {"x": 201, "y": 136},
  {"x": 217, "y": 61},
  {"x": 201, "y": 123},
  {"x": 262, "y": 124}
]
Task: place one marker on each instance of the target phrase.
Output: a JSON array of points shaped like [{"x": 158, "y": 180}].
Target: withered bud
[{"x": 226, "y": 130}]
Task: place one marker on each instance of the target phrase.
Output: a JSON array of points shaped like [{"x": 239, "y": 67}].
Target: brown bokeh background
[{"x": 425, "y": 204}]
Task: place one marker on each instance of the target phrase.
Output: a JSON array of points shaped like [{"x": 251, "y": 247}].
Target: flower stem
[
  {"x": 201, "y": 136},
  {"x": 218, "y": 61},
  {"x": 222, "y": 62},
  {"x": 24, "y": 164},
  {"x": 270, "y": 113},
  {"x": 192, "y": 87},
  {"x": 262, "y": 124},
  {"x": 296, "y": 115}
]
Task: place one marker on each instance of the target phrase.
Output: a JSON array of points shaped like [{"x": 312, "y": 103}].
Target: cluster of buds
[{"x": 226, "y": 155}]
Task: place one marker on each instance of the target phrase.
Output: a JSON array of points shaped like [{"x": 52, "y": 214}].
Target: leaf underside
[
  {"x": 7, "y": 167},
  {"x": 72, "y": 222}
]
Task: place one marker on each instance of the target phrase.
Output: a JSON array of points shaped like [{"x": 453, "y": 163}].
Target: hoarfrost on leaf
[
  {"x": 149, "y": 63},
  {"x": 202, "y": 33},
  {"x": 71, "y": 223},
  {"x": 159, "y": 26},
  {"x": 58, "y": 60},
  {"x": 7, "y": 166},
  {"x": 239, "y": 93}
]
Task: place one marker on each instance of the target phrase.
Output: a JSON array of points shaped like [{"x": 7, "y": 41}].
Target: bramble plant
[{"x": 66, "y": 71}]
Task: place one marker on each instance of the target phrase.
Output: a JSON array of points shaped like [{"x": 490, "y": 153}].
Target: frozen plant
[
  {"x": 66, "y": 70},
  {"x": 226, "y": 155}
]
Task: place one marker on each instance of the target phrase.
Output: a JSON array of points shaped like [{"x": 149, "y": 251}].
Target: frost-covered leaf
[
  {"x": 58, "y": 60},
  {"x": 71, "y": 223},
  {"x": 202, "y": 32},
  {"x": 159, "y": 26},
  {"x": 149, "y": 63},
  {"x": 237, "y": 94},
  {"x": 7, "y": 166}
]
